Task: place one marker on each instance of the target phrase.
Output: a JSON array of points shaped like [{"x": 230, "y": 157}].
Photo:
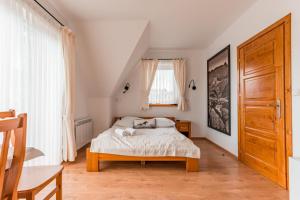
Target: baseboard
[
  {"x": 219, "y": 147},
  {"x": 197, "y": 138}
]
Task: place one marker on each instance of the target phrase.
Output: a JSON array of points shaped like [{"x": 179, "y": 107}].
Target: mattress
[{"x": 145, "y": 142}]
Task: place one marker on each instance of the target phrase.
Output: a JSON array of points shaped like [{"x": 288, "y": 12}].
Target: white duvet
[{"x": 146, "y": 142}]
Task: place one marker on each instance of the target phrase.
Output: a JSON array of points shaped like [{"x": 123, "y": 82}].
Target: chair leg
[
  {"x": 59, "y": 187},
  {"x": 14, "y": 196}
]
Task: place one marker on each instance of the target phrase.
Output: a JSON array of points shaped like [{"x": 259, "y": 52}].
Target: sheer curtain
[
  {"x": 180, "y": 77},
  {"x": 69, "y": 144},
  {"x": 148, "y": 73},
  {"x": 164, "y": 88},
  {"x": 32, "y": 75}
]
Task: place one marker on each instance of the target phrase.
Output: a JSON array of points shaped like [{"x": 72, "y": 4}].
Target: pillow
[
  {"x": 130, "y": 118},
  {"x": 126, "y": 121},
  {"x": 144, "y": 123},
  {"x": 164, "y": 123}
]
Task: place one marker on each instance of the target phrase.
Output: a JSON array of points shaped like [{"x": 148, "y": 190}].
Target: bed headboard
[{"x": 117, "y": 118}]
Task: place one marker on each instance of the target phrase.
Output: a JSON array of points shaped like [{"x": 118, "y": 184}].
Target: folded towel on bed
[
  {"x": 120, "y": 132},
  {"x": 130, "y": 131},
  {"x": 125, "y": 132}
]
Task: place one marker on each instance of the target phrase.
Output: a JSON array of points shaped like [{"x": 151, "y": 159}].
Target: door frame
[{"x": 286, "y": 22}]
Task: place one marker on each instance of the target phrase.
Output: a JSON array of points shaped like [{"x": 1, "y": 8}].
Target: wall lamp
[
  {"x": 192, "y": 84},
  {"x": 126, "y": 88}
]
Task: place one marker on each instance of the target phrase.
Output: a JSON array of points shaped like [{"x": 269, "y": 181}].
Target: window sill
[{"x": 163, "y": 105}]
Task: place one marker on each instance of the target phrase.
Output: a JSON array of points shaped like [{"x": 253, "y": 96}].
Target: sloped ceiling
[
  {"x": 114, "y": 34},
  {"x": 107, "y": 48},
  {"x": 174, "y": 23}
]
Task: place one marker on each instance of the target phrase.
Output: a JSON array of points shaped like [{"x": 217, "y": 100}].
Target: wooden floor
[{"x": 221, "y": 177}]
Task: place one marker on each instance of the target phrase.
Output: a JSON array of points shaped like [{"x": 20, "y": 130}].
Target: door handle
[{"x": 278, "y": 108}]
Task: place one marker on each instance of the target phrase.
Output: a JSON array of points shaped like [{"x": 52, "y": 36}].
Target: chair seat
[{"x": 36, "y": 178}]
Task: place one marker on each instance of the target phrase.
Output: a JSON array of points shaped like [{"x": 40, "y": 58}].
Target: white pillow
[
  {"x": 144, "y": 123},
  {"x": 126, "y": 121},
  {"x": 130, "y": 118},
  {"x": 164, "y": 123}
]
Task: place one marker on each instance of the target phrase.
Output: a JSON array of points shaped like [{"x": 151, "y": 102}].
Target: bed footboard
[
  {"x": 93, "y": 164},
  {"x": 92, "y": 161}
]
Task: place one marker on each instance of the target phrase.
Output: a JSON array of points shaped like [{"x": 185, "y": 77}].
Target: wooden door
[{"x": 262, "y": 100}]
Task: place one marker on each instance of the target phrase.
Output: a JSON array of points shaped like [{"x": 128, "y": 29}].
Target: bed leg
[
  {"x": 92, "y": 161},
  {"x": 192, "y": 165}
]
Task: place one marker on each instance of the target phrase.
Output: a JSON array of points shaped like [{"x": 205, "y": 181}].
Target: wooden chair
[
  {"x": 35, "y": 179},
  {"x": 7, "y": 114},
  {"x": 10, "y": 170}
]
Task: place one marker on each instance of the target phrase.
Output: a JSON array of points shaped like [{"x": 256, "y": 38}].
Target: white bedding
[{"x": 146, "y": 142}]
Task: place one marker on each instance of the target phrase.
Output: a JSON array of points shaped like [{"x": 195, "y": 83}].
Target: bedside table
[{"x": 185, "y": 127}]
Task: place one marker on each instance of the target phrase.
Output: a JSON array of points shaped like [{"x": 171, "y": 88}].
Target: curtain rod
[
  {"x": 49, "y": 13},
  {"x": 162, "y": 59}
]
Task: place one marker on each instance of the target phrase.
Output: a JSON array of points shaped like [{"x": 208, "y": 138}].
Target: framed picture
[{"x": 218, "y": 91}]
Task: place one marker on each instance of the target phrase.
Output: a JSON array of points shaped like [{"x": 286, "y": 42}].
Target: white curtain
[
  {"x": 180, "y": 76},
  {"x": 32, "y": 75},
  {"x": 69, "y": 144},
  {"x": 164, "y": 88},
  {"x": 148, "y": 73}
]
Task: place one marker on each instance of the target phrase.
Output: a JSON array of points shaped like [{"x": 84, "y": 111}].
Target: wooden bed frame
[{"x": 93, "y": 159}]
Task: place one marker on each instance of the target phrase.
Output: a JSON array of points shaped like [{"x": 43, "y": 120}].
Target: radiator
[{"x": 83, "y": 132}]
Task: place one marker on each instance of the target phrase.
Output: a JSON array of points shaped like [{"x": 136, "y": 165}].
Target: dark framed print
[{"x": 218, "y": 92}]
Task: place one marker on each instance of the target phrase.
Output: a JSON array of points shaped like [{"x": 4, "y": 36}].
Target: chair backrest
[
  {"x": 10, "y": 174},
  {"x": 6, "y": 114}
]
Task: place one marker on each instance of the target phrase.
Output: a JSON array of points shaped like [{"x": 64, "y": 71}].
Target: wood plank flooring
[{"x": 221, "y": 177}]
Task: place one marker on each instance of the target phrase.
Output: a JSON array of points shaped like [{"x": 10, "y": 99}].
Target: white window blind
[
  {"x": 32, "y": 75},
  {"x": 164, "y": 88}
]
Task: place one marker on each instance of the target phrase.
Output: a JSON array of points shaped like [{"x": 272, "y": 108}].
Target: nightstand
[{"x": 185, "y": 127}]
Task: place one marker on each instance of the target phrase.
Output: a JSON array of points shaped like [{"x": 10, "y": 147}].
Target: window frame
[
  {"x": 159, "y": 105},
  {"x": 163, "y": 105}
]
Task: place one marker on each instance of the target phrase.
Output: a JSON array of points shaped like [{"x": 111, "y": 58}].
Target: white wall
[
  {"x": 129, "y": 103},
  {"x": 81, "y": 81},
  {"x": 261, "y": 15},
  {"x": 138, "y": 52},
  {"x": 294, "y": 178},
  {"x": 81, "y": 98},
  {"x": 107, "y": 45},
  {"x": 100, "y": 110}
]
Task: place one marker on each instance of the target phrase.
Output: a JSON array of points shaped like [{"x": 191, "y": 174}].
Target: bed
[{"x": 158, "y": 144}]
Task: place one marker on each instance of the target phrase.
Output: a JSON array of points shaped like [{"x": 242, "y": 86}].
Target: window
[
  {"x": 33, "y": 76},
  {"x": 164, "y": 90}
]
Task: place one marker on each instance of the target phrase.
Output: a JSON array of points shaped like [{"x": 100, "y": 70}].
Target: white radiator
[{"x": 83, "y": 132}]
